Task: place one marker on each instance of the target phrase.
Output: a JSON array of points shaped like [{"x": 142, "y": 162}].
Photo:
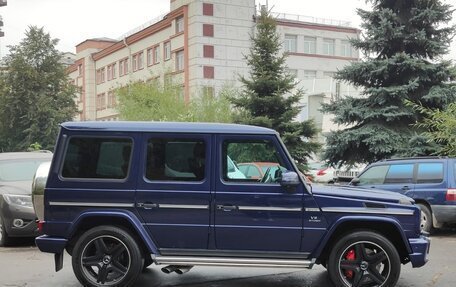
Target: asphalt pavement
[{"x": 26, "y": 266}]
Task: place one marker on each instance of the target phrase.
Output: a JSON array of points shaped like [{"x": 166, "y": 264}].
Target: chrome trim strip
[
  {"x": 387, "y": 211},
  {"x": 311, "y": 209},
  {"x": 269, "y": 208},
  {"x": 183, "y": 206},
  {"x": 238, "y": 262},
  {"x": 90, "y": 204}
]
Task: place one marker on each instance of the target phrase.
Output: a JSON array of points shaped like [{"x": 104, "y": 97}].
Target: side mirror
[
  {"x": 355, "y": 181},
  {"x": 289, "y": 179}
]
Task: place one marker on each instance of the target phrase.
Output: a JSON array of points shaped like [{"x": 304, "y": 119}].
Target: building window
[
  {"x": 208, "y": 51},
  {"x": 345, "y": 48},
  {"x": 328, "y": 47},
  {"x": 208, "y": 9},
  {"x": 167, "y": 52},
  {"x": 179, "y": 25},
  {"x": 113, "y": 70},
  {"x": 80, "y": 69},
  {"x": 134, "y": 63},
  {"x": 180, "y": 60},
  {"x": 208, "y": 30},
  {"x": 328, "y": 75},
  {"x": 123, "y": 67},
  {"x": 150, "y": 57},
  {"x": 310, "y": 45},
  {"x": 208, "y": 72},
  {"x": 112, "y": 100},
  {"x": 109, "y": 70},
  {"x": 157, "y": 55},
  {"x": 140, "y": 60},
  {"x": 293, "y": 72},
  {"x": 101, "y": 75},
  {"x": 308, "y": 74},
  {"x": 208, "y": 91},
  {"x": 290, "y": 43},
  {"x": 101, "y": 102}
]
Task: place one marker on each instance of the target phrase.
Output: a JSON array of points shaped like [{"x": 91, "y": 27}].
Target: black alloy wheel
[
  {"x": 364, "y": 259},
  {"x": 107, "y": 256}
]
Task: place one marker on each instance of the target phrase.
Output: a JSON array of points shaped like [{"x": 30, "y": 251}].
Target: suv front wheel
[
  {"x": 107, "y": 256},
  {"x": 364, "y": 258}
]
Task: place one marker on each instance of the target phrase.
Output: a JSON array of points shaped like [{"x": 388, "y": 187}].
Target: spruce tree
[
  {"x": 36, "y": 94},
  {"x": 269, "y": 97},
  {"x": 403, "y": 44}
]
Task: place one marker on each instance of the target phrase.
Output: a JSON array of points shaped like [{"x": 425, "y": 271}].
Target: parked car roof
[
  {"x": 168, "y": 127},
  {"x": 25, "y": 155}
]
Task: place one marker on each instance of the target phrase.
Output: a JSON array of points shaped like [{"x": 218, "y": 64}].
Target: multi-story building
[{"x": 200, "y": 44}]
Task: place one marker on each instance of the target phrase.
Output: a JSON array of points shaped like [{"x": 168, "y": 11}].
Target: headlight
[{"x": 20, "y": 200}]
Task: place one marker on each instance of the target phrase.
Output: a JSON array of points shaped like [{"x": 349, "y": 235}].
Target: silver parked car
[{"x": 17, "y": 216}]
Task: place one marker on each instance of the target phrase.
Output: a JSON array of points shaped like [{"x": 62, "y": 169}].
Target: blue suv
[
  {"x": 430, "y": 181},
  {"x": 119, "y": 196}
]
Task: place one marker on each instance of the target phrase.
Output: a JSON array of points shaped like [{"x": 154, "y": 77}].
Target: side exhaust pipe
[
  {"x": 181, "y": 269},
  {"x": 169, "y": 269}
]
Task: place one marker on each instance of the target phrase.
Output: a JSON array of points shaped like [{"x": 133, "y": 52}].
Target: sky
[{"x": 73, "y": 21}]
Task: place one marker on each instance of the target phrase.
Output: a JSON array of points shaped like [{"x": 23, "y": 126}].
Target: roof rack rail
[{"x": 416, "y": 157}]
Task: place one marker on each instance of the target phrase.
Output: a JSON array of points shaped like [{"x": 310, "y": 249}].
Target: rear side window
[
  {"x": 430, "y": 173},
  {"x": 399, "y": 173},
  {"x": 374, "y": 175},
  {"x": 176, "y": 159},
  {"x": 97, "y": 158}
]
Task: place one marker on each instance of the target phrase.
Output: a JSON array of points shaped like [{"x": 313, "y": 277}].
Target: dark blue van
[
  {"x": 430, "y": 181},
  {"x": 119, "y": 196}
]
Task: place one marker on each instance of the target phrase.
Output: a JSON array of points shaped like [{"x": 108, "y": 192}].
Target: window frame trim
[
  {"x": 208, "y": 154},
  {"x": 239, "y": 138},
  {"x": 99, "y": 180}
]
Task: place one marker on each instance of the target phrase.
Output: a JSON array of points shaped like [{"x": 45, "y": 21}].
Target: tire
[
  {"x": 364, "y": 258},
  {"x": 107, "y": 256},
  {"x": 426, "y": 223},
  {"x": 5, "y": 240}
]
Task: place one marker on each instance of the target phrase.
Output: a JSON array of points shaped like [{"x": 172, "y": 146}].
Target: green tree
[
  {"x": 403, "y": 44},
  {"x": 36, "y": 95},
  {"x": 152, "y": 101},
  {"x": 269, "y": 97},
  {"x": 440, "y": 128}
]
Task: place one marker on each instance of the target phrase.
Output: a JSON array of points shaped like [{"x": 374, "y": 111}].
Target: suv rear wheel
[
  {"x": 107, "y": 256},
  {"x": 426, "y": 218},
  {"x": 364, "y": 258}
]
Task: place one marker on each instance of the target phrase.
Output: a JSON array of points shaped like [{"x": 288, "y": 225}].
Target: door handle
[
  {"x": 405, "y": 188},
  {"x": 148, "y": 205},
  {"x": 227, "y": 207}
]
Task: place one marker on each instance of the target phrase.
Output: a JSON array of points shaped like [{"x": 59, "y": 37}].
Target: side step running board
[{"x": 235, "y": 262}]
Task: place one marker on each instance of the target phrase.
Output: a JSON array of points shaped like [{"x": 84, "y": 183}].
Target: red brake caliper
[{"x": 350, "y": 256}]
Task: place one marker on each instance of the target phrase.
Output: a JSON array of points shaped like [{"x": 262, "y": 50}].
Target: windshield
[{"x": 19, "y": 170}]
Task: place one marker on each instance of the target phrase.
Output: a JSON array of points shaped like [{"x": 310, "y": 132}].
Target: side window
[
  {"x": 430, "y": 173},
  {"x": 97, "y": 158},
  {"x": 262, "y": 152},
  {"x": 176, "y": 159},
  {"x": 374, "y": 175},
  {"x": 400, "y": 173}
]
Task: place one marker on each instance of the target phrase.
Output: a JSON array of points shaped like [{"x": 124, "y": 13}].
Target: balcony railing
[
  {"x": 142, "y": 27},
  {"x": 310, "y": 19}
]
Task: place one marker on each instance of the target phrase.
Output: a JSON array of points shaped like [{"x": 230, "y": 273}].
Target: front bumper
[
  {"x": 420, "y": 250},
  {"x": 27, "y": 214}
]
